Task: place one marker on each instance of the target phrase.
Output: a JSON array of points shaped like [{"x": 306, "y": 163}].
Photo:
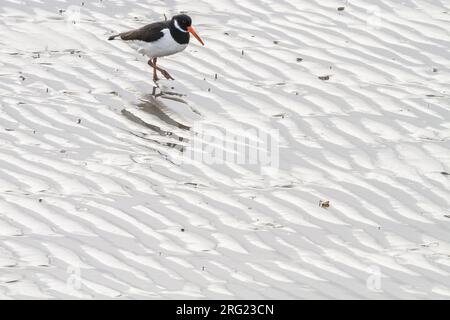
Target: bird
[{"x": 160, "y": 39}]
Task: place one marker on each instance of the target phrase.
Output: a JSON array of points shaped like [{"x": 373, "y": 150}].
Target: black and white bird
[{"x": 161, "y": 39}]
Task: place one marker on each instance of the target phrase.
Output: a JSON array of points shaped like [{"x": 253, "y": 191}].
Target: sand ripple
[{"x": 95, "y": 202}]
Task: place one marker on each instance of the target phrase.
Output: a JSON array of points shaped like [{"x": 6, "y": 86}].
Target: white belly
[{"x": 162, "y": 47}]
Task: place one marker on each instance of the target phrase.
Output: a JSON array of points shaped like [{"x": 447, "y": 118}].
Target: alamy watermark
[
  {"x": 373, "y": 17},
  {"x": 373, "y": 282},
  {"x": 255, "y": 147},
  {"x": 72, "y": 15},
  {"x": 74, "y": 280}
]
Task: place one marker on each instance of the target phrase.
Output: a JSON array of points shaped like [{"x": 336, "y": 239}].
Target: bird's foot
[
  {"x": 167, "y": 75},
  {"x": 155, "y": 86}
]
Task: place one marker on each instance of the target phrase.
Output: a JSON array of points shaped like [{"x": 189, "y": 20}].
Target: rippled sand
[{"x": 97, "y": 197}]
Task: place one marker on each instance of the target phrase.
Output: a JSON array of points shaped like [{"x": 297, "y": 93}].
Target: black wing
[{"x": 148, "y": 33}]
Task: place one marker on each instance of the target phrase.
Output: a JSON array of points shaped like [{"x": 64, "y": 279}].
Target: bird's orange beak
[{"x": 191, "y": 30}]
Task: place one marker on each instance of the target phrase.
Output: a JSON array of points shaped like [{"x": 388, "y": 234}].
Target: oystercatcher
[{"x": 160, "y": 39}]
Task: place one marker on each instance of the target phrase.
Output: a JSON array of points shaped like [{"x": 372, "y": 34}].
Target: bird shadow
[{"x": 152, "y": 113}]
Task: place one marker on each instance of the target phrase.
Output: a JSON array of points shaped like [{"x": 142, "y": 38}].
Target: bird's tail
[{"x": 113, "y": 37}]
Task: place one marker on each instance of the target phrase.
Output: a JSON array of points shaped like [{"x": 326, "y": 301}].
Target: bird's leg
[
  {"x": 163, "y": 72},
  {"x": 153, "y": 65}
]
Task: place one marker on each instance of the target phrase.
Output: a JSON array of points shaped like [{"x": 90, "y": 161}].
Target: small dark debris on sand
[
  {"x": 324, "y": 204},
  {"x": 299, "y": 59},
  {"x": 325, "y": 78},
  {"x": 191, "y": 184},
  {"x": 341, "y": 8},
  {"x": 444, "y": 173}
]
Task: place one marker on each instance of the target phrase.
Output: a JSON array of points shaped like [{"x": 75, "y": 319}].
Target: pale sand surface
[{"x": 93, "y": 189}]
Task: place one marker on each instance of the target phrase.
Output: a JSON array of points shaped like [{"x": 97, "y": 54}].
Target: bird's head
[{"x": 184, "y": 23}]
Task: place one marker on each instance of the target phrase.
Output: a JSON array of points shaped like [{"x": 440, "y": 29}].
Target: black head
[
  {"x": 183, "y": 21},
  {"x": 182, "y": 24}
]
